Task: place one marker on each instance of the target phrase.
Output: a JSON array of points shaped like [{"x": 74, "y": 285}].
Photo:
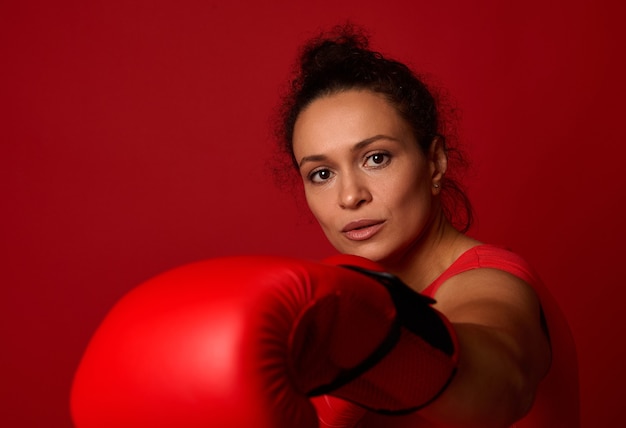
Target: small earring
[{"x": 436, "y": 185}]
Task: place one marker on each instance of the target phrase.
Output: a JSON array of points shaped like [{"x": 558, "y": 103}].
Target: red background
[{"x": 135, "y": 137}]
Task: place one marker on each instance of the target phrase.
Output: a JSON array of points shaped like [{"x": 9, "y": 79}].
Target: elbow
[
  {"x": 512, "y": 399},
  {"x": 519, "y": 398},
  {"x": 523, "y": 398},
  {"x": 522, "y": 378},
  {"x": 499, "y": 402},
  {"x": 524, "y": 383},
  {"x": 495, "y": 385}
]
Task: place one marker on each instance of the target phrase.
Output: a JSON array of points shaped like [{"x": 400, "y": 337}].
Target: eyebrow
[{"x": 358, "y": 146}]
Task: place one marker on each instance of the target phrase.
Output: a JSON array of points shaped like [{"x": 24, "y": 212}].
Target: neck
[{"x": 439, "y": 246}]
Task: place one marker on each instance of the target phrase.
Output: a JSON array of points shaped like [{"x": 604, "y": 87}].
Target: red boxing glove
[
  {"x": 333, "y": 412},
  {"x": 244, "y": 341},
  {"x": 420, "y": 363}
]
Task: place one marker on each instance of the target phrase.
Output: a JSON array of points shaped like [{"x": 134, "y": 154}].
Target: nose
[{"x": 353, "y": 193}]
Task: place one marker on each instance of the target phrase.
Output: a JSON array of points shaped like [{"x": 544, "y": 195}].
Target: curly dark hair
[{"x": 341, "y": 60}]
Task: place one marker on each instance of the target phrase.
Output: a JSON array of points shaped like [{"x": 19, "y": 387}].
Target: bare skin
[{"x": 377, "y": 195}]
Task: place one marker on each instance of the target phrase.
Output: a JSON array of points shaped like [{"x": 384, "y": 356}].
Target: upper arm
[{"x": 506, "y": 306}]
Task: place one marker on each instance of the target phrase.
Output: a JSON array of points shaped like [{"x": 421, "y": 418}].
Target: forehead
[{"x": 346, "y": 118}]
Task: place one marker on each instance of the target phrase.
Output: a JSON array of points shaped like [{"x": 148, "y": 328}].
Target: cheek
[{"x": 410, "y": 195}]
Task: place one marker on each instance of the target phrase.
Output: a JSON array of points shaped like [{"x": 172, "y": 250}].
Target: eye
[
  {"x": 377, "y": 160},
  {"x": 320, "y": 175}
]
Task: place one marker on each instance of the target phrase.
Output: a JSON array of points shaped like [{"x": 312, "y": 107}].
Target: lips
[{"x": 362, "y": 230}]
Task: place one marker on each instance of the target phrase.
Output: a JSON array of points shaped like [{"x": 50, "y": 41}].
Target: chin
[
  {"x": 373, "y": 254},
  {"x": 389, "y": 259}
]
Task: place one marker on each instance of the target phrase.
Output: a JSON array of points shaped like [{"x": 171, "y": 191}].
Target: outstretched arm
[{"x": 504, "y": 350}]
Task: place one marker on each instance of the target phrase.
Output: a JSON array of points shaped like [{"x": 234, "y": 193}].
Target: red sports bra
[{"x": 486, "y": 256}]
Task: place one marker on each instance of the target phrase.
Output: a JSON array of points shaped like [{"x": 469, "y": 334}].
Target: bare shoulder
[{"x": 487, "y": 295}]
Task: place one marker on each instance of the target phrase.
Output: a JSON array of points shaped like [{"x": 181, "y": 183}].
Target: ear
[{"x": 438, "y": 160}]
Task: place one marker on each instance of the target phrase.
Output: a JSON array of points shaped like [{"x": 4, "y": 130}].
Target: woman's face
[{"x": 365, "y": 178}]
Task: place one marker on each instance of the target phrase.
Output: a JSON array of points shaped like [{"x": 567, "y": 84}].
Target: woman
[{"x": 364, "y": 134}]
